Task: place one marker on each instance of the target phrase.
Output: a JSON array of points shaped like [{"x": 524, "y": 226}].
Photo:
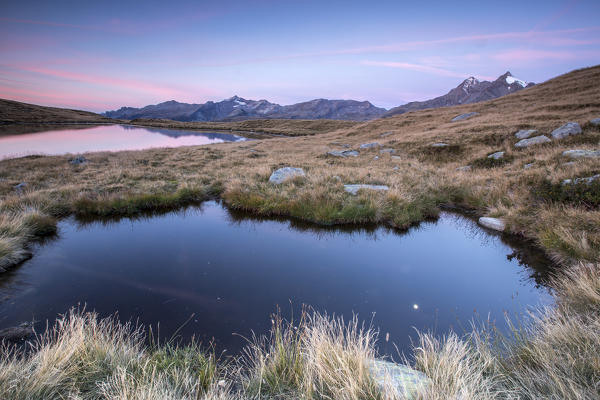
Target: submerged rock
[
  {"x": 17, "y": 333},
  {"x": 497, "y": 155},
  {"x": 492, "y": 223},
  {"x": 525, "y": 133},
  {"x": 464, "y": 116},
  {"x": 405, "y": 381},
  {"x": 343, "y": 153},
  {"x": 283, "y": 174},
  {"x": 531, "y": 141},
  {"x": 586, "y": 180},
  {"x": 581, "y": 153},
  {"x": 78, "y": 160},
  {"x": 353, "y": 189},
  {"x": 370, "y": 145},
  {"x": 568, "y": 129}
]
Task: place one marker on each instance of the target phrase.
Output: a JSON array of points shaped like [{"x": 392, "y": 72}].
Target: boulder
[
  {"x": 568, "y": 129},
  {"x": 464, "y": 168},
  {"x": 525, "y": 133},
  {"x": 388, "y": 151},
  {"x": 20, "y": 187},
  {"x": 586, "y": 180},
  {"x": 17, "y": 333},
  {"x": 283, "y": 174},
  {"x": 376, "y": 158},
  {"x": 595, "y": 121},
  {"x": 581, "y": 153},
  {"x": 527, "y": 166},
  {"x": 370, "y": 145},
  {"x": 343, "y": 153},
  {"x": 78, "y": 160},
  {"x": 384, "y": 134},
  {"x": 464, "y": 116},
  {"x": 492, "y": 223},
  {"x": 396, "y": 168},
  {"x": 531, "y": 141},
  {"x": 402, "y": 379},
  {"x": 439, "y": 145},
  {"x": 353, "y": 189},
  {"x": 497, "y": 155}
]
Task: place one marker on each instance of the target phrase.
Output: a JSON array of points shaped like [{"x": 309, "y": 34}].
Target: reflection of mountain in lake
[{"x": 175, "y": 133}]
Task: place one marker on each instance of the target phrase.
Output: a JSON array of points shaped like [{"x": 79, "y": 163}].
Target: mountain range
[{"x": 237, "y": 108}]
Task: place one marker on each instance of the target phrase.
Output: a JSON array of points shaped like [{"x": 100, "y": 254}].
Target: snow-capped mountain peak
[{"x": 511, "y": 79}]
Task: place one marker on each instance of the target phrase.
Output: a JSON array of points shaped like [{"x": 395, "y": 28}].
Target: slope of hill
[
  {"x": 17, "y": 112},
  {"x": 469, "y": 91}
]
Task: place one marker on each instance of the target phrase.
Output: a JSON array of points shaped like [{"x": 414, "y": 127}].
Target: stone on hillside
[
  {"x": 586, "y": 180},
  {"x": 78, "y": 160},
  {"x": 384, "y": 134},
  {"x": 353, "y": 189},
  {"x": 595, "y": 121},
  {"x": 464, "y": 168},
  {"x": 405, "y": 381},
  {"x": 527, "y": 166},
  {"x": 497, "y": 155},
  {"x": 343, "y": 153},
  {"x": 568, "y": 129},
  {"x": 283, "y": 174},
  {"x": 439, "y": 145},
  {"x": 376, "y": 158},
  {"x": 396, "y": 168},
  {"x": 525, "y": 133},
  {"x": 17, "y": 333},
  {"x": 396, "y": 157},
  {"x": 370, "y": 145},
  {"x": 464, "y": 116},
  {"x": 582, "y": 153},
  {"x": 20, "y": 187},
  {"x": 492, "y": 223},
  {"x": 389, "y": 151},
  {"x": 531, "y": 141}
]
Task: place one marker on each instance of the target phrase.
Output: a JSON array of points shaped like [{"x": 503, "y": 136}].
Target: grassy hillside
[{"x": 16, "y": 112}]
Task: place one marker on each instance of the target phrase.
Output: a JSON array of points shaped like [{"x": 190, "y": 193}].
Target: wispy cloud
[
  {"x": 529, "y": 55},
  {"x": 422, "y": 68}
]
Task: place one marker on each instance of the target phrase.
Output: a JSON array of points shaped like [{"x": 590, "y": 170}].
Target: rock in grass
[
  {"x": 388, "y": 151},
  {"x": 568, "y": 129},
  {"x": 525, "y": 133},
  {"x": 464, "y": 168},
  {"x": 370, "y": 145},
  {"x": 527, "y": 166},
  {"x": 406, "y": 381},
  {"x": 353, "y": 189},
  {"x": 283, "y": 174},
  {"x": 384, "y": 134},
  {"x": 497, "y": 155},
  {"x": 581, "y": 153},
  {"x": 343, "y": 153},
  {"x": 492, "y": 223},
  {"x": 20, "y": 187},
  {"x": 587, "y": 180},
  {"x": 464, "y": 116},
  {"x": 595, "y": 121},
  {"x": 531, "y": 141},
  {"x": 439, "y": 145},
  {"x": 78, "y": 160},
  {"x": 17, "y": 333}
]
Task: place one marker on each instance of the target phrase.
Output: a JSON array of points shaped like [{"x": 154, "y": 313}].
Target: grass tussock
[{"x": 581, "y": 194}]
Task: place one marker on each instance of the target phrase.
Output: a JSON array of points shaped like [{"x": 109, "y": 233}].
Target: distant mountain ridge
[
  {"x": 236, "y": 108},
  {"x": 471, "y": 90}
]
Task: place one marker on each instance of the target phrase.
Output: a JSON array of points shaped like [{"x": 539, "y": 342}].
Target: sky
[{"x": 103, "y": 55}]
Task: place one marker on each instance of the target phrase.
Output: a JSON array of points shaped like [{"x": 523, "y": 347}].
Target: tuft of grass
[
  {"x": 581, "y": 194},
  {"x": 486, "y": 162}
]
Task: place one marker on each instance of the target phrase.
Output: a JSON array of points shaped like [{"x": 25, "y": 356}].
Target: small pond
[
  {"x": 226, "y": 273},
  {"x": 82, "y": 138}
]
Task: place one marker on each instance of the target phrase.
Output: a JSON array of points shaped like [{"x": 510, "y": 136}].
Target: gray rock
[
  {"x": 527, "y": 166},
  {"x": 568, "y": 129},
  {"x": 78, "y": 160},
  {"x": 581, "y": 153},
  {"x": 337, "y": 178},
  {"x": 396, "y": 157},
  {"x": 464, "y": 116},
  {"x": 464, "y": 168},
  {"x": 384, "y": 134},
  {"x": 405, "y": 381},
  {"x": 497, "y": 155},
  {"x": 17, "y": 333},
  {"x": 439, "y": 145},
  {"x": 531, "y": 141},
  {"x": 492, "y": 223},
  {"x": 283, "y": 174},
  {"x": 595, "y": 121},
  {"x": 353, "y": 189},
  {"x": 370, "y": 145},
  {"x": 376, "y": 158},
  {"x": 388, "y": 151},
  {"x": 568, "y": 164},
  {"x": 586, "y": 180},
  {"x": 525, "y": 133},
  {"x": 20, "y": 187},
  {"x": 343, "y": 153},
  {"x": 396, "y": 168}
]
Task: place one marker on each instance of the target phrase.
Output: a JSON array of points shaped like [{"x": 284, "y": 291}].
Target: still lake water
[
  {"x": 104, "y": 138},
  {"x": 229, "y": 272}
]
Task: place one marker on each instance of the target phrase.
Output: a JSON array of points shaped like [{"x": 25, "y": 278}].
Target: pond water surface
[
  {"x": 226, "y": 273},
  {"x": 81, "y": 139}
]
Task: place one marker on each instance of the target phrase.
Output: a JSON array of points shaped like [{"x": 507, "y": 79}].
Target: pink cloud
[
  {"x": 526, "y": 55},
  {"x": 422, "y": 68}
]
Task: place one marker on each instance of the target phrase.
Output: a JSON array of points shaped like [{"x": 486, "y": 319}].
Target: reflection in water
[
  {"x": 81, "y": 139},
  {"x": 230, "y": 270}
]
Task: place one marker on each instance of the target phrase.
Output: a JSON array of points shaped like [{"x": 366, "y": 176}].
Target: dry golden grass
[{"x": 17, "y": 112}]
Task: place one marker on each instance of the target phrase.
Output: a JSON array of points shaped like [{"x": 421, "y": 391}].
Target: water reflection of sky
[{"x": 105, "y": 138}]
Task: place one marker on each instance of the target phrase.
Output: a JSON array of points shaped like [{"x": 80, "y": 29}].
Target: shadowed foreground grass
[{"x": 555, "y": 356}]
